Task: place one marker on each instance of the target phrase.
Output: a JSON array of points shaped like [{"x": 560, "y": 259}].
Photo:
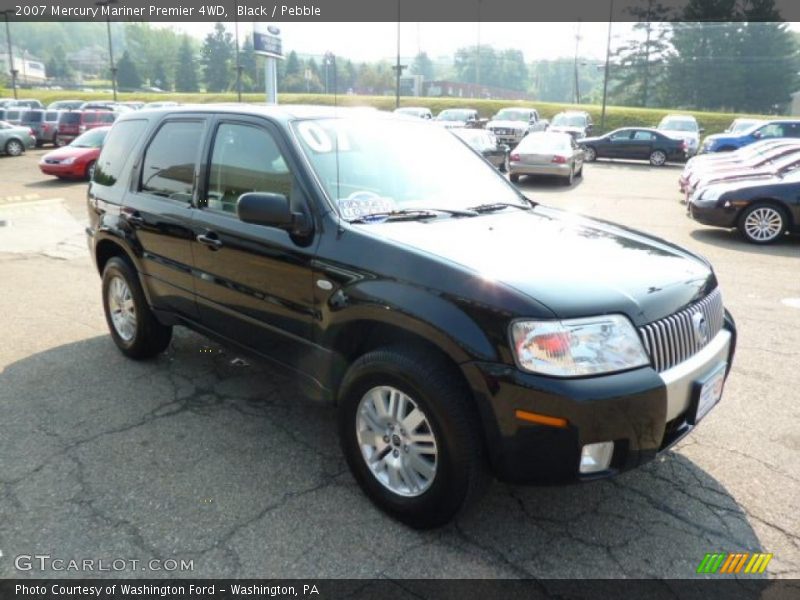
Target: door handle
[
  {"x": 134, "y": 218},
  {"x": 210, "y": 239}
]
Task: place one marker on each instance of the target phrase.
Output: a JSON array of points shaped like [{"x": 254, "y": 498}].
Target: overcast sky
[{"x": 374, "y": 41}]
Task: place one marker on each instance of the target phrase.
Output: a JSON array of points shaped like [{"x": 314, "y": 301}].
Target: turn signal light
[{"x": 532, "y": 417}]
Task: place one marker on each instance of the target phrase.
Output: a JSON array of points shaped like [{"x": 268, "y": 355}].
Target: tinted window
[
  {"x": 32, "y": 116},
  {"x": 12, "y": 115},
  {"x": 89, "y": 117},
  {"x": 70, "y": 118},
  {"x": 244, "y": 159},
  {"x": 118, "y": 145},
  {"x": 169, "y": 162},
  {"x": 107, "y": 117},
  {"x": 621, "y": 135},
  {"x": 51, "y": 115},
  {"x": 644, "y": 136}
]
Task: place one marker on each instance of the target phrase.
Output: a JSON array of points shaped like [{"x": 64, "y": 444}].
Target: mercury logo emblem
[{"x": 700, "y": 327}]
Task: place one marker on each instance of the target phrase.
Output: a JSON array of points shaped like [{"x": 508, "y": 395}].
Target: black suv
[{"x": 461, "y": 328}]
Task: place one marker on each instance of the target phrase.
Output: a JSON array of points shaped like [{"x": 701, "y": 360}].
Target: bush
[{"x": 616, "y": 116}]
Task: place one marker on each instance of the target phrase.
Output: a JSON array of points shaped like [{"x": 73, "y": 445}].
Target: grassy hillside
[{"x": 616, "y": 116}]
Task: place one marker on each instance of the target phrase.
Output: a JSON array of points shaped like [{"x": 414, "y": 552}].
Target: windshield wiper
[
  {"x": 412, "y": 214},
  {"x": 493, "y": 206}
]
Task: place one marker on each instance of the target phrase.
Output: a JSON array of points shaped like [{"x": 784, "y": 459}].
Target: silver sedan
[
  {"x": 15, "y": 139},
  {"x": 546, "y": 153}
]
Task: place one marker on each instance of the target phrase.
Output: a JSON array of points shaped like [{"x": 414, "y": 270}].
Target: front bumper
[
  {"x": 641, "y": 411},
  {"x": 62, "y": 170},
  {"x": 510, "y": 139},
  {"x": 710, "y": 213}
]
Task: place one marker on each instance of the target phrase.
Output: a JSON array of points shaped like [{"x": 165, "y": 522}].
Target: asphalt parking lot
[{"x": 200, "y": 456}]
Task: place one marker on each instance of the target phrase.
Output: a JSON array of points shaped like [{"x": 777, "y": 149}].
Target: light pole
[
  {"x": 605, "y": 75},
  {"x": 11, "y": 68},
  {"x": 398, "y": 67},
  {"x": 577, "y": 83},
  {"x": 238, "y": 61},
  {"x": 101, "y": 4},
  {"x": 330, "y": 61}
]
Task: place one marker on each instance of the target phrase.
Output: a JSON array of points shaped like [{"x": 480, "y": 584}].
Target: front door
[{"x": 254, "y": 283}]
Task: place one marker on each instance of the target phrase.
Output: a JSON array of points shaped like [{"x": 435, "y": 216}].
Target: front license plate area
[{"x": 708, "y": 392}]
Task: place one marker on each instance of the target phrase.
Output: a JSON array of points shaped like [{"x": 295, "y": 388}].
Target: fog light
[{"x": 596, "y": 457}]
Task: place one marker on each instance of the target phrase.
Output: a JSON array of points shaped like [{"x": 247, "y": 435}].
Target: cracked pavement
[{"x": 197, "y": 457}]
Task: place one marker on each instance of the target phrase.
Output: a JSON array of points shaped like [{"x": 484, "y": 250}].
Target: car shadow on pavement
[
  {"x": 53, "y": 183},
  {"x": 555, "y": 184},
  {"x": 731, "y": 239},
  {"x": 204, "y": 455}
]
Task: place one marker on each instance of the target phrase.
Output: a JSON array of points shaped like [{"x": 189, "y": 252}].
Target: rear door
[
  {"x": 619, "y": 144},
  {"x": 254, "y": 283},
  {"x": 641, "y": 144},
  {"x": 158, "y": 210}
]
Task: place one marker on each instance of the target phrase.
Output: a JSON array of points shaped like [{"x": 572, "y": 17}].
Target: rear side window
[
  {"x": 32, "y": 116},
  {"x": 107, "y": 117},
  {"x": 118, "y": 146},
  {"x": 89, "y": 117},
  {"x": 12, "y": 115},
  {"x": 169, "y": 161},
  {"x": 70, "y": 118},
  {"x": 51, "y": 115}
]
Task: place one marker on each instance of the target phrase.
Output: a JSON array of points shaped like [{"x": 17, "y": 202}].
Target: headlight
[
  {"x": 710, "y": 194},
  {"x": 578, "y": 346},
  {"x": 68, "y": 161}
]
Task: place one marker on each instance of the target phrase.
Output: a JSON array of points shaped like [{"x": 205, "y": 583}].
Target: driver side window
[
  {"x": 244, "y": 159},
  {"x": 621, "y": 136}
]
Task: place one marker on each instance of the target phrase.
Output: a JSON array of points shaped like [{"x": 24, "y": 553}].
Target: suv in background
[
  {"x": 510, "y": 125},
  {"x": 577, "y": 123},
  {"x": 726, "y": 142},
  {"x": 66, "y": 105},
  {"x": 415, "y": 111},
  {"x": 26, "y": 103},
  {"x": 11, "y": 115},
  {"x": 374, "y": 278},
  {"x": 34, "y": 118},
  {"x": 682, "y": 127},
  {"x": 457, "y": 117},
  {"x": 73, "y": 123},
  {"x": 50, "y": 126}
]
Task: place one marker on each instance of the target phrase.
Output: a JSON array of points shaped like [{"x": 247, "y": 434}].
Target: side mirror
[
  {"x": 589, "y": 128},
  {"x": 272, "y": 210},
  {"x": 757, "y": 134}
]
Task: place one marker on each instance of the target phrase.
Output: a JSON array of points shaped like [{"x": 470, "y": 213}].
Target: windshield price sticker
[{"x": 361, "y": 204}]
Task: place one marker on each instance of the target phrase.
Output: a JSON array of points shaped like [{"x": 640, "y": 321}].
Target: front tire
[
  {"x": 411, "y": 436},
  {"x": 658, "y": 158},
  {"x": 589, "y": 154},
  {"x": 763, "y": 223},
  {"x": 570, "y": 179},
  {"x": 133, "y": 326}
]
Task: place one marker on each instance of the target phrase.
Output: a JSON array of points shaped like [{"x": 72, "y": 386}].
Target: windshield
[
  {"x": 512, "y": 114},
  {"x": 91, "y": 139},
  {"x": 386, "y": 165},
  {"x": 477, "y": 138},
  {"x": 454, "y": 115},
  {"x": 545, "y": 143},
  {"x": 678, "y": 125},
  {"x": 742, "y": 125},
  {"x": 565, "y": 120}
]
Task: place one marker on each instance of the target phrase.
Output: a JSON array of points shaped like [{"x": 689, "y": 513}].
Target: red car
[{"x": 77, "y": 160}]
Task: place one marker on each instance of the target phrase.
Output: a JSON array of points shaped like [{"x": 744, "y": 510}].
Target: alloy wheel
[
  {"x": 122, "y": 308},
  {"x": 396, "y": 441},
  {"x": 658, "y": 158},
  {"x": 763, "y": 224},
  {"x": 14, "y": 148}
]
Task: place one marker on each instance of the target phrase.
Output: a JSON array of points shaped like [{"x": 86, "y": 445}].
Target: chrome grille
[{"x": 673, "y": 339}]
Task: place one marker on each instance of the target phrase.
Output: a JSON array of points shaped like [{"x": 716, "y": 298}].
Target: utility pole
[
  {"x": 110, "y": 47},
  {"x": 608, "y": 64},
  {"x": 11, "y": 68},
  {"x": 478, "y": 50},
  {"x": 576, "y": 85},
  {"x": 238, "y": 61},
  {"x": 398, "y": 67}
]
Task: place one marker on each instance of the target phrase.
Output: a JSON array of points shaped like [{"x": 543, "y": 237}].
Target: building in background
[
  {"x": 457, "y": 89},
  {"x": 30, "y": 70}
]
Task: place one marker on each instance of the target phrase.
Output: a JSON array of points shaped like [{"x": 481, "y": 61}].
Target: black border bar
[{"x": 394, "y": 10}]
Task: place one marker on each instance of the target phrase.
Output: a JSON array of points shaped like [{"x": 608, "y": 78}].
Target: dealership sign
[{"x": 267, "y": 40}]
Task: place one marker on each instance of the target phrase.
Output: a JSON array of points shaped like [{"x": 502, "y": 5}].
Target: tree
[
  {"x": 127, "y": 74},
  {"x": 423, "y": 66},
  {"x": 186, "y": 71},
  {"x": 217, "y": 56},
  {"x": 247, "y": 60},
  {"x": 160, "y": 78},
  {"x": 57, "y": 66}
]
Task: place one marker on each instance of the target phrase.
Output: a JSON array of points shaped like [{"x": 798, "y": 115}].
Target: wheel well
[
  {"x": 357, "y": 338},
  {"x": 105, "y": 250}
]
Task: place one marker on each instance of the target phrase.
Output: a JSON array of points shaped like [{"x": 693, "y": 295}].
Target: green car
[{"x": 15, "y": 139}]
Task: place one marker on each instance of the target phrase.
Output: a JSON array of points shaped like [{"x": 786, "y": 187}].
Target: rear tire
[
  {"x": 514, "y": 178},
  {"x": 133, "y": 326},
  {"x": 658, "y": 158},
  {"x": 395, "y": 401},
  {"x": 570, "y": 179}
]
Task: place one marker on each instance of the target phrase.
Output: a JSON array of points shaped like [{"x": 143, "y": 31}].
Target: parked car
[
  {"x": 682, "y": 127},
  {"x": 726, "y": 142},
  {"x": 25, "y": 103},
  {"x": 636, "y": 143},
  {"x": 163, "y": 104},
  {"x": 510, "y": 125},
  {"x": 34, "y": 118},
  {"x": 459, "y": 326},
  {"x": 577, "y": 123},
  {"x": 5, "y": 102},
  {"x": 547, "y": 153},
  {"x": 487, "y": 145},
  {"x": 457, "y": 117},
  {"x": 15, "y": 139},
  {"x": 12, "y": 115},
  {"x": 49, "y": 129},
  {"x": 704, "y": 162},
  {"x": 770, "y": 169},
  {"x": 763, "y": 161},
  {"x": 73, "y": 123},
  {"x": 78, "y": 159},
  {"x": 761, "y": 210},
  {"x": 132, "y": 104},
  {"x": 741, "y": 125},
  {"x": 66, "y": 105},
  {"x": 415, "y": 111}
]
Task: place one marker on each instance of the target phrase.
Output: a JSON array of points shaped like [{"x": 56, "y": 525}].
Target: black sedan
[
  {"x": 486, "y": 144},
  {"x": 635, "y": 143},
  {"x": 762, "y": 210}
]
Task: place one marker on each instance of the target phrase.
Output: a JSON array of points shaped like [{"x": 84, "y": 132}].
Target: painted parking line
[{"x": 19, "y": 198}]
